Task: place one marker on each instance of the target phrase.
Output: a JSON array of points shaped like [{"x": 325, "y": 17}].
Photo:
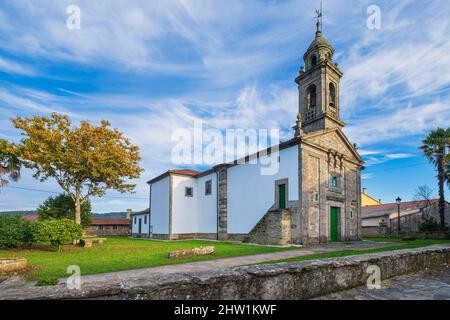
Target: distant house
[
  {"x": 412, "y": 214},
  {"x": 33, "y": 217},
  {"x": 101, "y": 226},
  {"x": 108, "y": 227},
  {"x": 367, "y": 200},
  {"x": 140, "y": 223}
]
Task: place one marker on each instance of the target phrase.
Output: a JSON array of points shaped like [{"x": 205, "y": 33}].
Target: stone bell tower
[{"x": 318, "y": 87}]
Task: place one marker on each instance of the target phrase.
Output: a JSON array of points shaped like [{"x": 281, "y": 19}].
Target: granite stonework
[
  {"x": 296, "y": 280},
  {"x": 192, "y": 252},
  {"x": 273, "y": 229},
  {"x": 430, "y": 284},
  {"x": 12, "y": 264},
  {"x": 222, "y": 174}
]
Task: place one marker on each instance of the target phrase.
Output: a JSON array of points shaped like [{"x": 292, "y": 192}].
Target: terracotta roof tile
[
  {"x": 33, "y": 217},
  {"x": 185, "y": 172},
  {"x": 110, "y": 222},
  {"x": 387, "y": 208}
]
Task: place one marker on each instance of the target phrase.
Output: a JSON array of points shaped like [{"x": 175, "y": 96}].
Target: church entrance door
[
  {"x": 282, "y": 195},
  {"x": 334, "y": 218}
]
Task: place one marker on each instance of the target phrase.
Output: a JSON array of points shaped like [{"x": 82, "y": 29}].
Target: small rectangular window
[
  {"x": 208, "y": 187},
  {"x": 189, "y": 192},
  {"x": 134, "y": 220},
  {"x": 145, "y": 219},
  {"x": 334, "y": 181},
  {"x": 114, "y": 227},
  {"x": 100, "y": 227}
]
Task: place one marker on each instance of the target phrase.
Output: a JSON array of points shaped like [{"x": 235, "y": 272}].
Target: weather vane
[{"x": 319, "y": 17}]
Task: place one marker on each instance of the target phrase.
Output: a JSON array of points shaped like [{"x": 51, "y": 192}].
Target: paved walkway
[
  {"x": 431, "y": 284},
  {"x": 232, "y": 262},
  {"x": 215, "y": 264}
]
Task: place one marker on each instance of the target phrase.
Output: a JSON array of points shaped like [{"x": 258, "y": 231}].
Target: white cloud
[{"x": 9, "y": 66}]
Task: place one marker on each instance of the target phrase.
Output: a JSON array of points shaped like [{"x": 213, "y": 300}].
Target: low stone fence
[
  {"x": 296, "y": 280},
  {"x": 14, "y": 264},
  {"x": 192, "y": 252}
]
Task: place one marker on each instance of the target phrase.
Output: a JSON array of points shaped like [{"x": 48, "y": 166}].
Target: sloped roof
[
  {"x": 110, "y": 222},
  {"x": 136, "y": 213},
  {"x": 193, "y": 173},
  {"x": 388, "y": 208},
  {"x": 33, "y": 217},
  {"x": 185, "y": 172},
  {"x": 182, "y": 172}
]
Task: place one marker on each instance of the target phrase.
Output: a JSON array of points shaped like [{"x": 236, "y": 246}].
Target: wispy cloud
[{"x": 9, "y": 66}]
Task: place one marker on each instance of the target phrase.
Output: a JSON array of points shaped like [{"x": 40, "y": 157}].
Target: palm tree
[
  {"x": 9, "y": 164},
  {"x": 434, "y": 148}
]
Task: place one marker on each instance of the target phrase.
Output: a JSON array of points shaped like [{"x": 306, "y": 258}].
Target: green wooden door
[
  {"x": 334, "y": 218},
  {"x": 282, "y": 195}
]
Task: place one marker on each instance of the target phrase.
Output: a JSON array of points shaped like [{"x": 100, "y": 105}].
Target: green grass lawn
[
  {"x": 343, "y": 253},
  {"x": 123, "y": 254}
]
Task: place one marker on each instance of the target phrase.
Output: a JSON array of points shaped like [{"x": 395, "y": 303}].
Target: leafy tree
[
  {"x": 56, "y": 232},
  {"x": 14, "y": 231},
  {"x": 63, "y": 207},
  {"x": 85, "y": 161},
  {"x": 434, "y": 148},
  {"x": 9, "y": 164}
]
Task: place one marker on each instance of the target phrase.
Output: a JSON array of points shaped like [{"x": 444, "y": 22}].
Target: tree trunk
[
  {"x": 78, "y": 207},
  {"x": 441, "y": 179}
]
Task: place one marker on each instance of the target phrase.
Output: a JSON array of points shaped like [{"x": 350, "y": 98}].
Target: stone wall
[
  {"x": 371, "y": 232},
  {"x": 189, "y": 236},
  {"x": 223, "y": 202},
  {"x": 273, "y": 229},
  {"x": 108, "y": 231},
  {"x": 411, "y": 222},
  {"x": 296, "y": 280}
]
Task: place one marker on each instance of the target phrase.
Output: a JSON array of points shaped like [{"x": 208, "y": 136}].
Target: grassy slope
[
  {"x": 343, "y": 253},
  {"x": 123, "y": 254}
]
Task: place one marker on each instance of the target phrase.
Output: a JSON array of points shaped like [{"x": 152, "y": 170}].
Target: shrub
[
  {"x": 57, "y": 232},
  {"x": 14, "y": 231},
  {"x": 63, "y": 207},
  {"x": 47, "y": 281},
  {"x": 431, "y": 225}
]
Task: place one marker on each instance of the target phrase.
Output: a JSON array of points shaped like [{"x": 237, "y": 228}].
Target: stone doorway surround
[
  {"x": 277, "y": 195},
  {"x": 341, "y": 221}
]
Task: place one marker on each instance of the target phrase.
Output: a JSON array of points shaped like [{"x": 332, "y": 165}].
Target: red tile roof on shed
[
  {"x": 393, "y": 206},
  {"x": 110, "y": 222},
  {"x": 185, "y": 172},
  {"x": 33, "y": 217},
  {"x": 182, "y": 172}
]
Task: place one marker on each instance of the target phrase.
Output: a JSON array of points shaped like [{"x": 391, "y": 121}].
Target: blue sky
[{"x": 153, "y": 66}]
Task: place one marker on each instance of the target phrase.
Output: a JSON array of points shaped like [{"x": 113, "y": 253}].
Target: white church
[{"x": 313, "y": 198}]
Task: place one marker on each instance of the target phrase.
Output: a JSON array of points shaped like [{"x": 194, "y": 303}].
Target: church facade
[{"x": 315, "y": 197}]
